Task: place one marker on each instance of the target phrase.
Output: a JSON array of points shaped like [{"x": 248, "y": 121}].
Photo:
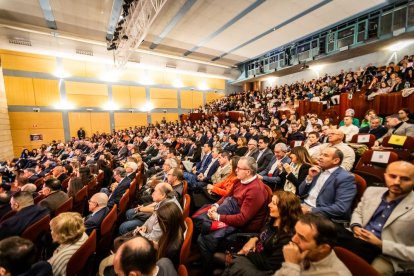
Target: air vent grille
[
  {"x": 20, "y": 42},
  {"x": 84, "y": 52}
]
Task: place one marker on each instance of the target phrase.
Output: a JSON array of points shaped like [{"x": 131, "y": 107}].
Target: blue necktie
[{"x": 203, "y": 162}]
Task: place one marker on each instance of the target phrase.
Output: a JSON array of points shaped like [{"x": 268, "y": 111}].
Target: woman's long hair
[
  {"x": 171, "y": 221},
  {"x": 290, "y": 210},
  {"x": 302, "y": 156}
]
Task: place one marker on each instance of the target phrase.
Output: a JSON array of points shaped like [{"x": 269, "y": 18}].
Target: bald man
[
  {"x": 384, "y": 219},
  {"x": 98, "y": 208},
  {"x": 138, "y": 257}
]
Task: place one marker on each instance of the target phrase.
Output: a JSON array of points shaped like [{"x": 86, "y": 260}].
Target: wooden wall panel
[
  {"x": 74, "y": 67},
  {"x": 191, "y": 99},
  {"x": 197, "y": 99},
  {"x": 126, "y": 120},
  {"x": 121, "y": 96},
  {"x": 46, "y": 92},
  {"x": 95, "y": 70},
  {"x": 100, "y": 122},
  {"x": 86, "y": 88},
  {"x": 28, "y": 62},
  {"x": 138, "y": 96},
  {"x": 216, "y": 83},
  {"x": 79, "y": 120},
  {"x": 19, "y": 91},
  {"x": 87, "y": 100},
  {"x": 159, "y": 93},
  {"x": 211, "y": 96},
  {"x": 170, "y": 117},
  {"x": 164, "y": 103}
]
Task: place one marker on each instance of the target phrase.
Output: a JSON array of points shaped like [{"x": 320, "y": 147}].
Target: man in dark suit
[
  {"x": 203, "y": 178},
  {"x": 98, "y": 208},
  {"x": 265, "y": 154},
  {"x": 374, "y": 128},
  {"x": 244, "y": 133},
  {"x": 271, "y": 175},
  {"x": 59, "y": 173},
  {"x": 54, "y": 196},
  {"x": 27, "y": 214},
  {"x": 118, "y": 188},
  {"x": 252, "y": 150},
  {"x": 30, "y": 174},
  {"x": 131, "y": 170},
  {"x": 81, "y": 133},
  {"x": 329, "y": 189}
]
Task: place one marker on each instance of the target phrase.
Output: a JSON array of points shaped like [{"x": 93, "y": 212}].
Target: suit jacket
[
  {"x": 397, "y": 234},
  {"x": 264, "y": 160},
  {"x": 404, "y": 129},
  {"x": 122, "y": 153},
  {"x": 54, "y": 200},
  {"x": 336, "y": 195},
  {"x": 62, "y": 177},
  {"x": 212, "y": 170},
  {"x": 116, "y": 195},
  {"x": 15, "y": 225},
  {"x": 93, "y": 221},
  {"x": 277, "y": 180},
  {"x": 221, "y": 174},
  {"x": 199, "y": 167},
  {"x": 253, "y": 154},
  {"x": 33, "y": 178}
]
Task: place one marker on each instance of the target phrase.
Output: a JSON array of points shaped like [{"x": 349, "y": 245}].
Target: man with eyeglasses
[
  {"x": 382, "y": 223},
  {"x": 97, "y": 206},
  {"x": 396, "y": 127},
  {"x": 252, "y": 150}
]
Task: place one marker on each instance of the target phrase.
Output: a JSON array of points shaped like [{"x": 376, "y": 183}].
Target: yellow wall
[
  {"x": 90, "y": 122},
  {"x": 27, "y": 62},
  {"x": 126, "y": 120},
  {"x": 170, "y": 117},
  {"x": 163, "y": 98},
  {"x": 191, "y": 99},
  {"x": 22, "y": 124}
]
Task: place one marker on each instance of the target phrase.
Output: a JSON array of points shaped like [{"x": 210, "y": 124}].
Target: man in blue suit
[
  {"x": 271, "y": 175},
  {"x": 201, "y": 177},
  {"x": 118, "y": 188},
  {"x": 329, "y": 189},
  {"x": 97, "y": 207}
]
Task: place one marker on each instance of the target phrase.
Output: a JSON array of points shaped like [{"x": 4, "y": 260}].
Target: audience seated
[
  {"x": 118, "y": 188},
  {"x": 272, "y": 176},
  {"x": 263, "y": 254},
  {"x": 374, "y": 128},
  {"x": 251, "y": 196},
  {"x": 396, "y": 127},
  {"x": 18, "y": 257},
  {"x": 54, "y": 197},
  {"x": 97, "y": 207},
  {"x": 381, "y": 224},
  {"x": 26, "y": 214},
  {"x": 329, "y": 189},
  {"x": 265, "y": 155},
  {"x": 69, "y": 232},
  {"x": 311, "y": 250}
]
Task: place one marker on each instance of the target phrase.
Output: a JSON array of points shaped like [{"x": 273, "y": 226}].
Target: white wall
[{"x": 379, "y": 58}]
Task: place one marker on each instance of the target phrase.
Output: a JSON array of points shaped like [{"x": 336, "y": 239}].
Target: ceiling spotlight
[
  {"x": 111, "y": 47},
  {"x": 125, "y": 37},
  {"x": 121, "y": 21},
  {"x": 118, "y": 28}
]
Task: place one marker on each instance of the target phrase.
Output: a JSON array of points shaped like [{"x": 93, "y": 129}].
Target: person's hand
[
  {"x": 213, "y": 208},
  {"x": 209, "y": 187},
  {"x": 306, "y": 209},
  {"x": 194, "y": 169},
  {"x": 287, "y": 168},
  {"x": 137, "y": 209},
  {"x": 292, "y": 253},
  {"x": 370, "y": 237},
  {"x": 314, "y": 171},
  {"x": 357, "y": 231},
  {"x": 212, "y": 214},
  {"x": 250, "y": 246},
  {"x": 260, "y": 177}
]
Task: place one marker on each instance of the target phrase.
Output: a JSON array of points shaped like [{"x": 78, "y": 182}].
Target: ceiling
[{"x": 211, "y": 34}]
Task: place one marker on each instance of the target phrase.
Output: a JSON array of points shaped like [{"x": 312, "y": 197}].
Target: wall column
[{"x": 6, "y": 143}]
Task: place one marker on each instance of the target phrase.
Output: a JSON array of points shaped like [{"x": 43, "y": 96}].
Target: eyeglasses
[{"x": 242, "y": 169}]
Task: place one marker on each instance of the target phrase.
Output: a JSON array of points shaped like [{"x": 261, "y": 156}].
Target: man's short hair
[
  {"x": 53, "y": 184},
  {"x": 394, "y": 116},
  {"x": 265, "y": 139},
  {"x": 131, "y": 165},
  {"x": 226, "y": 154},
  {"x": 339, "y": 154},
  {"x": 325, "y": 228},
  {"x": 17, "y": 254},
  {"x": 138, "y": 254},
  {"x": 282, "y": 147},
  {"x": 30, "y": 170},
  {"x": 178, "y": 173},
  {"x": 23, "y": 196},
  {"x": 120, "y": 171},
  {"x": 251, "y": 163},
  {"x": 314, "y": 133}
]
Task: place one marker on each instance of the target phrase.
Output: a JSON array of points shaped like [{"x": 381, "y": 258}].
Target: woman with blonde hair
[
  {"x": 68, "y": 231},
  {"x": 297, "y": 170}
]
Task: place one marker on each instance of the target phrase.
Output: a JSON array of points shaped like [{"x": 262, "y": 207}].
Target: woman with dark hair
[
  {"x": 74, "y": 186},
  {"x": 263, "y": 254},
  {"x": 171, "y": 221},
  {"x": 276, "y": 137},
  {"x": 103, "y": 167},
  {"x": 404, "y": 114},
  {"x": 297, "y": 170},
  {"x": 241, "y": 148},
  {"x": 85, "y": 175}
]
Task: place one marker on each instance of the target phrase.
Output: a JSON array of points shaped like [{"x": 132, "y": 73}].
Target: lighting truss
[{"x": 142, "y": 14}]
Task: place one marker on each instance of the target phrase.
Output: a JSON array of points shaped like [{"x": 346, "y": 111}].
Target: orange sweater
[{"x": 223, "y": 188}]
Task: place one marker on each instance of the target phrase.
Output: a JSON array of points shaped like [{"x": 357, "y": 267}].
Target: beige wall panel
[
  {"x": 138, "y": 96},
  {"x": 46, "y": 92},
  {"x": 164, "y": 103},
  {"x": 87, "y": 100},
  {"x": 85, "y": 88},
  {"x": 159, "y": 93},
  {"x": 126, "y": 120},
  {"x": 121, "y": 96},
  {"x": 131, "y": 75},
  {"x": 216, "y": 83},
  {"x": 79, "y": 120},
  {"x": 74, "y": 67},
  {"x": 197, "y": 99},
  {"x": 213, "y": 96},
  {"x": 19, "y": 91},
  {"x": 186, "y": 99},
  {"x": 95, "y": 70},
  {"x": 35, "y": 120},
  {"x": 29, "y": 62},
  {"x": 189, "y": 81},
  {"x": 170, "y": 117},
  {"x": 100, "y": 122}
]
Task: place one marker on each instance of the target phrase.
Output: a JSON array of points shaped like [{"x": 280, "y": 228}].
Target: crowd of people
[{"x": 285, "y": 182}]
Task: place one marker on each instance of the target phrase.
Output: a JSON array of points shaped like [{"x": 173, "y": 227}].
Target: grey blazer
[
  {"x": 404, "y": 129},
  {"x": 397, "y": 235}
]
